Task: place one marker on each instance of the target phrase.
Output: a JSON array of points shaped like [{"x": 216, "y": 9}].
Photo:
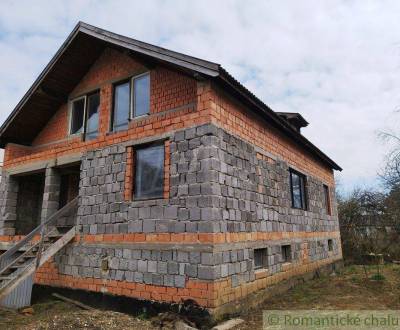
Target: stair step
[
  {"x": 15, "y": 266},
  {"x": 6, "y": 278}
]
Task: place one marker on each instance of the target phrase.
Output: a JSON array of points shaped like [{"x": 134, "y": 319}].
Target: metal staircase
[{"x": 20, "y": 262}]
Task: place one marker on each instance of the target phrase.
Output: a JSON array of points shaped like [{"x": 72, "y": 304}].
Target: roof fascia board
[
  {"x": 39, "y": 79},
  {"x": 189, "y": 62}
]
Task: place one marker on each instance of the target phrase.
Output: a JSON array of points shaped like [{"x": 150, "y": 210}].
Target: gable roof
[{"x": 74, "y": 58}]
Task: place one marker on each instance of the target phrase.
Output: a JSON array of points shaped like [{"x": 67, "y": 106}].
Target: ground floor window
[
  {"x": 298, "y": 190},
  {"x": 149, "y": 172}
]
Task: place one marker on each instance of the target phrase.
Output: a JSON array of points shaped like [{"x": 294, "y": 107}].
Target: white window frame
[
  {"x": 71, "y": 108},
  {"x": 132, "y": 96}
]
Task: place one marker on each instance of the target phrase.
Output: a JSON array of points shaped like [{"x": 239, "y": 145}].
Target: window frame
[
  {"x": 132, "y": 95},
  {"x": 160, "y": 144},
  {"x": 327, "y": 198},
  {"x": 285, "y": 257},
  {"x": 120, "y": 82},
  {"x": 85, "y": 113},
  {"x": 303, "y": 189},
  {"x": 96, "y": 91},
  {"x": 71, "y": 110},
  {"x": 131, "y": 105},
  {"x": 264, "y": 257}
]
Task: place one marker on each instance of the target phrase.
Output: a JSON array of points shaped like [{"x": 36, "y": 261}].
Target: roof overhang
[{"x": 80, "y": 50}]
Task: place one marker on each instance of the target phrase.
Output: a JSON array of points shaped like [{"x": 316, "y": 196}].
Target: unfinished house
[{"x": 137, "y": 171}]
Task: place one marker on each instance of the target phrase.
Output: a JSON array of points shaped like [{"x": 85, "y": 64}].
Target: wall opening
[
  {"x": 29, "y": 202},
  {"x": 69, "y": 186}
]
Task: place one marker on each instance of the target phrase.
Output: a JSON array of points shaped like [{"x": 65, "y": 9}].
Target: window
[
  {"x": 131, "y": 99},
  {"x": 260, "y": 258},
  {"x": 92, "y": 116},
  {"x": 330, "y": 245},
  {"x": 286, "y": 253},
  {"x": 327, "y": 200},
  {"x": 85, "y": 115},
  {"x": 149, "y": 172},
  {"x": 77, "y": 115},
  {"x": 141, "y": 95},
  {"x": 121, "y": 106},
  {"x": 298, "y": 190}
]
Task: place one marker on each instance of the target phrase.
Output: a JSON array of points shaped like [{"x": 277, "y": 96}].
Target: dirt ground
[{"x": 347, "y": 290}]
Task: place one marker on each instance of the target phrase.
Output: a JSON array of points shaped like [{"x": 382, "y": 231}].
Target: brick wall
[
  {"x": 239, "y": 120},
  {"x": 172, "y": 106},
  {"x": 226, "y": 193},
  {"x": 225, "y": 200}
]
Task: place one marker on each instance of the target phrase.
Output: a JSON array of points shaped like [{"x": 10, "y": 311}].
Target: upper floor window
[
  {"x": 92, "y": 116},
  {"x": 85, "y": 115},
  {"x": 298, "y": 190},
  {"x": 77, "y": 115},
  {"x": 131, "y": 99},
  {"x": 149, "y": 172},
  {"x": 327, "y": 200}
]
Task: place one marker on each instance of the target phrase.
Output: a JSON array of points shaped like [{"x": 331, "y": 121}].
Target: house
[{"x": 155, "y": 175}]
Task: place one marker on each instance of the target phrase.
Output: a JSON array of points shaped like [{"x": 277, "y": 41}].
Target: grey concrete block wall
[
  {"x": 217, "y": 185},
  {"x": 51, "y": 196},
  {"x": 8, "y": 203}
]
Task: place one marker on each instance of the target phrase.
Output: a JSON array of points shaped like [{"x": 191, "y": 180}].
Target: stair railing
[{"x": 6, "y": 257}]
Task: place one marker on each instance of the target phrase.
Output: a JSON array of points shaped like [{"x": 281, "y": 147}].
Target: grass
[
  {"x": 348, "y": 289},
  {"x": 377, "y": 277}
]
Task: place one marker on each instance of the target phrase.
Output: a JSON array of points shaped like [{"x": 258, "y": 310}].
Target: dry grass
[
  {"x": 348, "y": 290},
  {"x": 57, "y": 315}
]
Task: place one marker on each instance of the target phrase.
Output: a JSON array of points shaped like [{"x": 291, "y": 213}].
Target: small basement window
[
  {"x": 286, "y": 253},
  {"x": 149, "y": 172},
  {"x": 330, "y": 245},
  {"x": 260, "y": 258},
  {"x": 298, "y": 190}
]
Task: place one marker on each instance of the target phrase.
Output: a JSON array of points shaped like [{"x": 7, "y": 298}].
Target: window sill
[
  {"x": 137, "y": 118},
  {"x": 148, "y": 202},
  {"x": 298, "y": 208},
  {"x": 76, "y": 135}
]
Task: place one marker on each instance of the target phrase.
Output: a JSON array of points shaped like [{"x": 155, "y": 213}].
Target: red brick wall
[
  {"x": 237, "y": 119},
  {"x": 169, "y": 90},
  {"x": 172, "y": 106}
]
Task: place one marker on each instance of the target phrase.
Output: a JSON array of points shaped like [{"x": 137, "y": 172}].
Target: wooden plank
[
  {"x": 77, "y": 303},
  {"x": 51, "y": 251},
  {"x": 38, "y": 229}
]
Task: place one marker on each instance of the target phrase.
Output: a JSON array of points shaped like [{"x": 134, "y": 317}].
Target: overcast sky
[{"x": 335, "y": 62}]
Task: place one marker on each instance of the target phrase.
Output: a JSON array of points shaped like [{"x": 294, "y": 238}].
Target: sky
[{"x": 335, "y": 62}]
